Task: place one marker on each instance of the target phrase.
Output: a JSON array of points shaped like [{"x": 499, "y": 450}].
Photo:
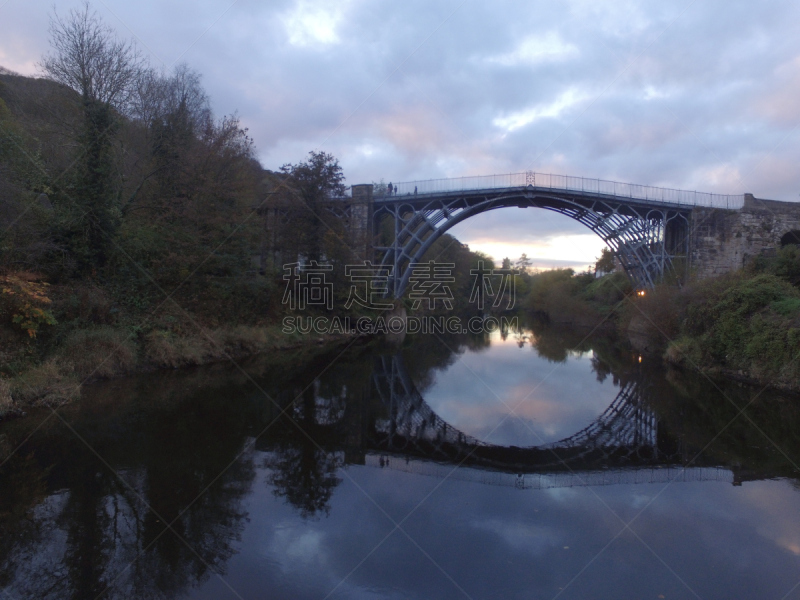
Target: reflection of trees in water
[
  {"x": 610, "y": 354},
  {"x": 305, "y": 476},
  {"x": 431, "y": 353},
  {"x": 761, "y": 442},
  {"x": 24, "y": 489},
  {"x": 301, "y": 470},
  {"x": 98, "y": 534},
  {"x": 72, "y": 528}
]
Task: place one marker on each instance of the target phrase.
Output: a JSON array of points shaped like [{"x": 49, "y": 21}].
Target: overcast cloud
[{"x": 692, "y": 94}]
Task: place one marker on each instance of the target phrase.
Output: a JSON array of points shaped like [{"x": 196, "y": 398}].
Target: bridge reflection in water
[{"x": 624, "y": 445}]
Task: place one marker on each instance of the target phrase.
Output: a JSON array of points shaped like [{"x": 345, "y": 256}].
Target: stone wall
[
  {"x": 724, "y": 240},
  {"x": 360, "y": 219}
]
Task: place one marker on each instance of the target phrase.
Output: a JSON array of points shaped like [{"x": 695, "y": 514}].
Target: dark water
[{"x": 540, "y": 465}]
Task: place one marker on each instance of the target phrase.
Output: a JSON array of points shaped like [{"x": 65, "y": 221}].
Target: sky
[
  {"x": 692, "y": 94},
  {"x": 504, "y": 395}
]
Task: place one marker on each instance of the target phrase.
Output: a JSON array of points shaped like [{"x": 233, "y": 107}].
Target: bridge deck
[{"x": 546, "y": 182}]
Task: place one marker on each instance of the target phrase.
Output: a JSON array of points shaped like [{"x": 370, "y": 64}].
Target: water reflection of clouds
[
  {"x": 723, "y": 541},
  {"x": 783, "y": 527},
  {"x": 297, "y": 543},
  {"x": 551, "y": 401},
  {"x": 522, "y": 535}
]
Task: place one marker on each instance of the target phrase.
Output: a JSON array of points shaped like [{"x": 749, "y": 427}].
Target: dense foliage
[
  {"x": 131, "y": 218},
  {"x": 746, "y": 323}
]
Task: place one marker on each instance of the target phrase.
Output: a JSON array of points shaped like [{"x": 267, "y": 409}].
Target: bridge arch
[
  {"x": 791, "y": 238},
  {"x": 643, "y": 235},
  {"x": 626, "y": 431}
]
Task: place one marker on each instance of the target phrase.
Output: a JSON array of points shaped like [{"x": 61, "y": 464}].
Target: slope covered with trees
[{"x": 130, "y": 218}]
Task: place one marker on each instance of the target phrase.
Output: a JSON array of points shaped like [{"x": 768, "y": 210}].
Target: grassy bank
[
  {"x": 104, "y": 353},
  {"x": 89, "y": 334}
]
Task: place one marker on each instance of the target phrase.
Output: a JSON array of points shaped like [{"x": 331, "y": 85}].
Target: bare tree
[
  {"x": 185, "y": 94},
  {"x": 158, "y": 97},
  {"x": 88, "y": 57},
  {"x": 148, "y": 96}
]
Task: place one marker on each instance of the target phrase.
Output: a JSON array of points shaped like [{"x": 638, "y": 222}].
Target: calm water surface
[{"x": 532, "y": 465}]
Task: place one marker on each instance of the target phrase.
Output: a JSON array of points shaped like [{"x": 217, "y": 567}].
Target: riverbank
[
  {"x": 743, "y": 325},
  {"x": 107, "y": 353}
]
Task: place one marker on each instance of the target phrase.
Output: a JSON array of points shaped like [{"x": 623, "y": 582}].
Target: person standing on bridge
[
  {"x": 390, "y": 188},
  {"x": 415, "y": 190}
]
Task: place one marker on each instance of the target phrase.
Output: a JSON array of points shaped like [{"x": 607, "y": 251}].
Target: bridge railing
[
  {"x": 573, "y": 184},
  {"x": 542, "y": 481}
]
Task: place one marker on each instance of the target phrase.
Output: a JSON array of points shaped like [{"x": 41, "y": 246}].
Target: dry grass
[
  {"x": 241, "y": 339},
  {"x": 165, "y": 349},
  {"x": 47, "y": 383},
  {"x": 6, "y": 403},
  {"x": 107, "y": 352},
  {"x": 98, "y": 353}
]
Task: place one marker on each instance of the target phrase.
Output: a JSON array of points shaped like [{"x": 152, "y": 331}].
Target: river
[{"x": 541, "y": 463}]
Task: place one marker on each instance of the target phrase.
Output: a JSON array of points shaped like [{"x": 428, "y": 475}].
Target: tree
[
  {"x": 523, "y": 263},
  {"x": 506, "y": 263},
  {"x": 606, "y": 263},
  {"x": 205, "y": 187},
  {"x": 88, "y": 58},
  {"x": 172, "y": 113},
  {"x": 314, "y": 182}
]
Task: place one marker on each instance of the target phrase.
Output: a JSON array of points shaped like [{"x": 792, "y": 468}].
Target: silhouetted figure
[
  {"x": 415, "y": 190},
  {"x": 390, "y": 188}
]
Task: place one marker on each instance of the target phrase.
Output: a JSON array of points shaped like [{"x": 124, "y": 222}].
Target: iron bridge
[
  {"x": 625, "y": 435},
  {"x": 646, "y": 227}
]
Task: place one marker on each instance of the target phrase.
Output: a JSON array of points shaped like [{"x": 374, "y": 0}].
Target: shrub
[
  {"x": 741, "y": 322},
  {"x": 569, "y": 298},
  {"x": 609, "y": 290},
  {"x": 684, "y": 350},
  {"x": 731, "y": 325},
  {"x": 785, "y": 264},
  {"x": 89, "y": 304},
  {"x": 788, "y": 307},
  {"x": 655, "y": 315},
  {"x": 25, "y": 301}
]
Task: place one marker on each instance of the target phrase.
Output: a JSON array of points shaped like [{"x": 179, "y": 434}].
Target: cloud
[
  {"x": 313, "y": 23},
  {"x": 535, "y": 49},
  {"x": 553, "y": 109}
]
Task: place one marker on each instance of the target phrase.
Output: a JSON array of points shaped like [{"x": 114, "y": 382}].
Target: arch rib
[{"x": 636, "y": 235}]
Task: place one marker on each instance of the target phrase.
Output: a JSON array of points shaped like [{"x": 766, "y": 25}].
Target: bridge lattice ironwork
[
  {"x": 646, "y": 227},
  {"x": 625, "y": 433}
]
